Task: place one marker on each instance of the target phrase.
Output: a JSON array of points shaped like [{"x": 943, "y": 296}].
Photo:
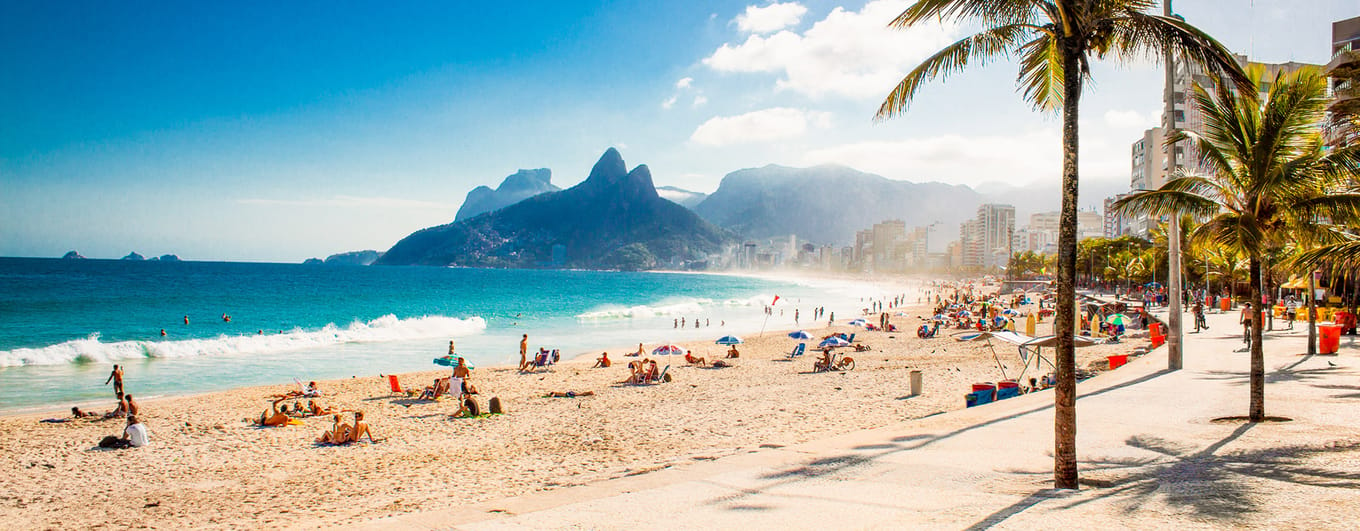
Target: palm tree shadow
[{"x": 1213, "y": 484}]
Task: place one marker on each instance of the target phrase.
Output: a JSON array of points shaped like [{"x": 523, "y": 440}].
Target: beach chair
[
  {"x": 798, "y": 350},
  {"x": 850, "y": 339},
  {"x": 396, "y": 386},
  {"x": 661, "y": 378}
]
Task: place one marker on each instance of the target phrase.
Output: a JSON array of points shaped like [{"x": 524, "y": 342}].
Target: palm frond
[
  {"x": 981, "y": 47},
  {"x": 1041, "y": 72},
  {"x": 1183, "y": 195}
]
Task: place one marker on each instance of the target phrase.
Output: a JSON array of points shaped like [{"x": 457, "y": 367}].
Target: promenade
[{"x": 1151, "y": 455}]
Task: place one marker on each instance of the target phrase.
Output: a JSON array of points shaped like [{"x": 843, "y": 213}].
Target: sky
[{"x": 278, "y": 131}]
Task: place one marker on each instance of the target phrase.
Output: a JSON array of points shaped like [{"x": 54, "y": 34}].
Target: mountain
[
  {"x": 680, "y": 196},
  {"x": 72, "y": 256},
  {"x": 828, "y": 204},
  {"x": 354, "y": 258},
  {"x": 612, "y": 220},
  {"x": 134, "y": 257},
  {"x": 165, "y": 258},
  {"x": 515, "y": 188}
]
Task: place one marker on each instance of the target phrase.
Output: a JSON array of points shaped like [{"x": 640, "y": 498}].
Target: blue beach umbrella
[
  {"x": 834, "y": 341},
  {"x": 940, "y": 317},
  {"x": 857, "y": 322},
  {"x": 729, "y": 340},
  {"x": 450, "y": 361},
  {"x": 800, "y": 335}
]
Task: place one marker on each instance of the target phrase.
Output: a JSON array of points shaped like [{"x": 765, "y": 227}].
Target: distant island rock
[
  {"x": 134, "y": 257},
  {"x": 354, "y": 258},
  {"x": 515, "y": 188},
  {"x": 680, "y": 196},
  {"x": 613, "y": 220},
  {"x": 313, "y": 262},
  {"x": 828, "y": 204},
  {"x": 164, "y": 258},
  {"x": 72, "y": 256}
]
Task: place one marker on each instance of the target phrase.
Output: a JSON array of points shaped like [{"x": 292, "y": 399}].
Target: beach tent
[
  {"x": 668, "y": 350},
  {"x": 728, "y": 340}
]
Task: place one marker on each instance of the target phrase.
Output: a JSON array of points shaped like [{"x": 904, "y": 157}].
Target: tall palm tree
[
  {"x": 1265, "y": 169},
  {"x": 1055, "y": 40}
]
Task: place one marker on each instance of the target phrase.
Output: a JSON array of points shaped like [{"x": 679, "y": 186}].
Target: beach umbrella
[
  {"x": 450, "y": 361},
  {"x": 668, "y": 350},
  {"x": 800, "y": 335},
  {"x": 1009, "y": 311},
  {"x": 857, "y": 322},
  {"x": 728, "y": 340},
  {"x": 833, "y": 342},
  {"x": 1118, "y": 319},
  {"x": 940, "y": 317},
  {"x": 1153, "y": 285},
  {"x": 965, "y": 314}
]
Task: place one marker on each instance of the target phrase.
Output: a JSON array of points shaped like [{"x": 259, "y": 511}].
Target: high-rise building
[
  {"x": 995, "y": 223},
  {"x": 1148, "y": 172},
  {"x": 1116, "y": 224},
  {"x": 886, "y": 235},
  {"x": 1090, "y": 224},
  {"x": 1345, "y": 62}
]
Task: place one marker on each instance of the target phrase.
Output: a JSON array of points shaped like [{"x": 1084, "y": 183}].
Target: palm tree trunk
[
  {"x": 1257, "y": 411},
  {"x": 1065, "y": 393}
]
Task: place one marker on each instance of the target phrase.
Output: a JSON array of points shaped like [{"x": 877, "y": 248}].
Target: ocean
[{"x": 64, "y": 323}]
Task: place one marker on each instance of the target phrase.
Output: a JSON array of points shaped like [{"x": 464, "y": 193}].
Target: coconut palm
[
  {"x": 1055, "y": 41},
  {"x": 1263, "y": 169}
]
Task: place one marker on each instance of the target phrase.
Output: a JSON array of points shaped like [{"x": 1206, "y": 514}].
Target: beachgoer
[
  {"x": 131, "y": 406},
  {"x": 693, "y": 360},
  {"x": 603, "y": 361},
  {"x": 360, "y": 428},
  {"x": 186, "y": 319},
  {"x": 274, "y": 416},
  {"x": 226, "y": 318},
  {"x": 439, "y": 388},
  {"x": 450, "y": 347},
  {"x": 338, "y": 433},
  {"x": 117, "y": 378},
  {"x": 639, "y": 352},
  {"x": 461, "y": 370},
  {"x": 135, "y": 434},
  {"x": 311, "y": 390},
  {"x": 120, "y": 410},
  {"x": 162, "y": 332},
  {"x": 523, "y": 351},
  {"x": 77, "y": 413},
  {"x": 733, "y": 353},
  {"x": 1246, "y": 323},
  {"x": 823, "y": 363}
]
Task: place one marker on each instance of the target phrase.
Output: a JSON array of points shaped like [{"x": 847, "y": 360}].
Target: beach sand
[{"x": 207, "y": 467}]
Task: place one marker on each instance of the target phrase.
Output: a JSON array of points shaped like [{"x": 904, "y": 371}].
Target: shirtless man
[
  {"x": 273, "y": 416},
  {"x": 117, "y": 378},
  {"x": 523, "y": 351},
  {"x": 360, "y": 429},
  {"x": 132, "y": 408}
]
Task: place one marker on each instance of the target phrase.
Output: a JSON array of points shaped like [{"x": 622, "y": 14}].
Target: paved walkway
[{"x": 1151, "y": 456}]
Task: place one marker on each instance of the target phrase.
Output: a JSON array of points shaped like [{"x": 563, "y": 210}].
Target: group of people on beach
[{"x": 135, "y": 433}]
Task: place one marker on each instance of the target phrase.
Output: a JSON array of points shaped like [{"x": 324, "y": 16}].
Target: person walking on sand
[
  {"x": 523, "y": 351},
  {"x": 117, "y": 378}
]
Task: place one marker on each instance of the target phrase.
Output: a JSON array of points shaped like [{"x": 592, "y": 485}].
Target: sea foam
[{"x": 385, "y": 328}]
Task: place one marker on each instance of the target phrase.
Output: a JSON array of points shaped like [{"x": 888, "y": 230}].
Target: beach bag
[
  {"x": 495, "y": 405},
  {"x": 474, "y": 410},
  {"x": 109, "y": 441}
]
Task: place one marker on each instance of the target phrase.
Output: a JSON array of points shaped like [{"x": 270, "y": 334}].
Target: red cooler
[{"x": 1329, "y": 339}]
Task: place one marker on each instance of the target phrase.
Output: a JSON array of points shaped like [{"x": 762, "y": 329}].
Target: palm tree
[{"x": 1265, "y": 169}]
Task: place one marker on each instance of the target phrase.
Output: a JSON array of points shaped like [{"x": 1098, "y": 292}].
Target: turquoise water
[{"x": 63, "y": 323}]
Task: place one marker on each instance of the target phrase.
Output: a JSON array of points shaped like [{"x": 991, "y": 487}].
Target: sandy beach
[{"x": 208, "y": 467}]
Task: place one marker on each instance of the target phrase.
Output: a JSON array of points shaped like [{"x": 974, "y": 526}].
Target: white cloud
[
  {"x": 699, "y": 101},
  {"x": 849, "y": 53},
  {"x": 1018, "y": 159},
  {"x": 771, "y": 18},
  {"x": 348, "y": 201},
  {"x": 670, "y": 102},
  {"x": 684, "y": 82},
  {"x": 758, "y": 126}
]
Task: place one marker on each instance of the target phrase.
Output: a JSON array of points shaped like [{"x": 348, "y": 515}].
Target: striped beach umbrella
[{"x": 668, "y": 350}]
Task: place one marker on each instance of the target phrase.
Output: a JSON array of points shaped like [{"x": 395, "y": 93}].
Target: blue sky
[{"x": 279, "y": 131}]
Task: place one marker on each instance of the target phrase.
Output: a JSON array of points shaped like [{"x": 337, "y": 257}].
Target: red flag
[{"x": 776, "y": 299}]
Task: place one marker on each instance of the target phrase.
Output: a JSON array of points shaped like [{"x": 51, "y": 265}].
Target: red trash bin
[{"x": 1329, "y": 338}]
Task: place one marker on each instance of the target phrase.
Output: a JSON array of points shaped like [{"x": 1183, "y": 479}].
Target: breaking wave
[
  {"x": 385, "y": 328},
  {"x": 674, "y": 307}
]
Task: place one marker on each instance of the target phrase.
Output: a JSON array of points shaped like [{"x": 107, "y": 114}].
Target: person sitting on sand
[
  {"x": 440, "y": 388},
  {"x": 311, "y": 390},
  {"x": 733, "y": 353},
  {"x": 824, "y": 362},
  {"x": 360, "y": 429},
  {"x": 134, "y": 435},
  {"x": 77, "y": 413},
  {"x": 132, "y": 408},
  {"x": 639, "y": 352},
  {"x": 338, "y": 434},
  {"x": 603, "y": 361},
  {"x": 274, "y": 416},
  {"x": 120, "y": 411},
  {"x": 693, "y": 360},
  {"x": 315, "y": 410}
]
